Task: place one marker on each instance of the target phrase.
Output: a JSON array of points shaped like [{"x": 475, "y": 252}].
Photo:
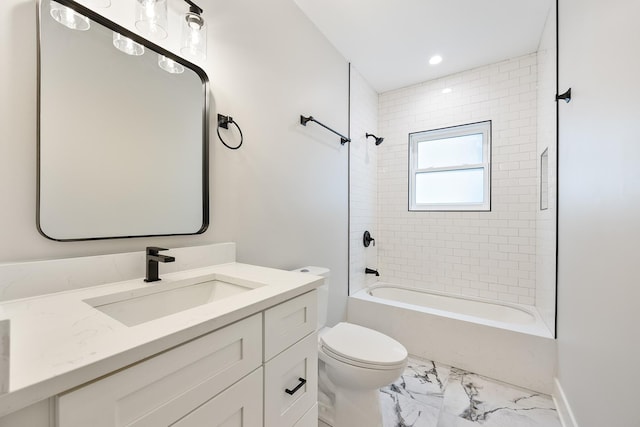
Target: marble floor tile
[
  {"x": 485, "y": 402},
  {"x": 422, "y": 381},
  {"x": 453, "y": 420},
  {"x": 402, "y": 411},
  {"x": 430, "y": 394},
  {"x": 415, "y": 399}
]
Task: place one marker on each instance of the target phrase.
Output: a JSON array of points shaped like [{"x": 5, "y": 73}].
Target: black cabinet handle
[{"x": 302, "y": 382}]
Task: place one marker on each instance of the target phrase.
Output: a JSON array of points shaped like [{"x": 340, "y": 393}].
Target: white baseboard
[{"x": 562, "y": 405}]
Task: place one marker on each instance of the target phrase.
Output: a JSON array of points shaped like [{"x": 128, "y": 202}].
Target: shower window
[{"x": 449, "y": 168}]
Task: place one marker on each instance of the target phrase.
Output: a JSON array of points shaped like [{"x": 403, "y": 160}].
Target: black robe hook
[{"x": 566, "y": 96}]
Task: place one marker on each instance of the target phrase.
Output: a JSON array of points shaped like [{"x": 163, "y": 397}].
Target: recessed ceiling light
[
  {"x": 435, "y": 60},
  {"x": 446, "y": 90}
]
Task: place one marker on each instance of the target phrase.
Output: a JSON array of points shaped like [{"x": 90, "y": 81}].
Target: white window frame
[{"x": 483, "y": 128}]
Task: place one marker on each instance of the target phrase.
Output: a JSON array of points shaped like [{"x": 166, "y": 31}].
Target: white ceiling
[{"x": 390, "y": 41}]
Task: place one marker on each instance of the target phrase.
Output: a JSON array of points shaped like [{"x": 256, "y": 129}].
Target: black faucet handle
[
  {"x": 153, "y": 250},
  {"x": 367, "y": 239}
]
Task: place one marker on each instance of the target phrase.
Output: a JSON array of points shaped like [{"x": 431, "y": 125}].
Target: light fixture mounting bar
[{"x": 194, "y": 7}]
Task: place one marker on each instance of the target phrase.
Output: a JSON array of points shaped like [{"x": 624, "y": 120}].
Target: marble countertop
[{"x": 59, "y": 342}]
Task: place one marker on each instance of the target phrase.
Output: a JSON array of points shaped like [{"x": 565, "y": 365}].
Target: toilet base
[
  {"x": 341, "y": 407},
  {"x": 357, "y": 408}
]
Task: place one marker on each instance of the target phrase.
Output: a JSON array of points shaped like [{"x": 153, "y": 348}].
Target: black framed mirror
[{"x": 123, "y": 130}]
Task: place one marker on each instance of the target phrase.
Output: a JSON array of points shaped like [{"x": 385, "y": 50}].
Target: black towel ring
[{"x": 223, "y": 122}]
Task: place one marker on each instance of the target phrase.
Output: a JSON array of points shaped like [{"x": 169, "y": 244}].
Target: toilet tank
[{"x": 323, "y": 291}]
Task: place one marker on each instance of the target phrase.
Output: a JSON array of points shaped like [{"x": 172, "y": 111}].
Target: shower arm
[{"x": 377, "y": 139}]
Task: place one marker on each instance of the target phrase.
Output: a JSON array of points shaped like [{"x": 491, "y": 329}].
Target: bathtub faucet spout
[{"x": 371, "y": 271}]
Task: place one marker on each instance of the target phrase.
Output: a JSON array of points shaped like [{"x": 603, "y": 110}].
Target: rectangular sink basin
[{"x": 159, "y": 300}]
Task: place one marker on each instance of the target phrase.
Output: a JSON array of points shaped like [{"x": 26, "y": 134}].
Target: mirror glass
[{"x": 122, "y": 133}]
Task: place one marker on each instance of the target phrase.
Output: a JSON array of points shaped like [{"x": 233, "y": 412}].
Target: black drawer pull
[{"x": 302, "y": 382}]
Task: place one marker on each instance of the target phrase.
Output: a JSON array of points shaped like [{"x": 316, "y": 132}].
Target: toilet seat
[{"x": 363, "y": 347}]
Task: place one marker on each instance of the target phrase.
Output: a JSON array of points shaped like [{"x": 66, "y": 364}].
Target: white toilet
[{"x": 354, "y": 363}]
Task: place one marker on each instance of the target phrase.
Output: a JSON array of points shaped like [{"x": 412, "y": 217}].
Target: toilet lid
[{"x": 363, "y": 345}]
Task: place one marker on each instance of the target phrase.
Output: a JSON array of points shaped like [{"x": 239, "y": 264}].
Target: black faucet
[
  {"x": 153, "y": 258},
  {"x": 371, "y": 271}
]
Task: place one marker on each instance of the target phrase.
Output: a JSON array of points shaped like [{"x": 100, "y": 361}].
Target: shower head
[{"x": 378, "y": 139}]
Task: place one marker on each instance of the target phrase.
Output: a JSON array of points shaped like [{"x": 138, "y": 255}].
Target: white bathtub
[{"x": 509, "y": 342}]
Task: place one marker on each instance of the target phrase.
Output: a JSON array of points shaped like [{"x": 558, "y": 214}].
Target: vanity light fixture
[
  {"x": 169, "y": 65},
  {"x": 151, "y": 18},
  {"x": 68, "y": 17},
  {"x": 194, "y": 33},
  {"x": 126, "y": 45},
  {"x": 435, "y": 60}
]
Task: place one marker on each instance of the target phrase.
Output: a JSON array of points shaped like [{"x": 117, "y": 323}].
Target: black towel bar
[{"x": 304, "y": 120}]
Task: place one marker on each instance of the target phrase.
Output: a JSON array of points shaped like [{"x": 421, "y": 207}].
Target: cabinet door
[
  {"x": 238, "y": 406},
  {"x": 310, "y": 419},
  {"x": 286, "y": 398},
  {"x": 162, "y": 389},
  {"x": 287, "y": 323}
]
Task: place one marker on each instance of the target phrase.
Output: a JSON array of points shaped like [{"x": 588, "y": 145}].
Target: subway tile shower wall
[{"x": 484, "y": 254}]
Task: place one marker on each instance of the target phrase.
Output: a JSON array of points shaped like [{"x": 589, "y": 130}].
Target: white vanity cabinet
[
  {"x": 291, "y": 361},
  {"x": 259, "y": 371},
  {"x": 238, "y": 406},
  {"x": 166, "y": 387}
]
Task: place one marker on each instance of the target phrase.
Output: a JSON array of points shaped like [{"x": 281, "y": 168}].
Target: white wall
[
  {"x": 486, "y": 254},
  {"x": 282, "y": 197},
  {"x": 363, "y": 182},
  {"x": 546, "y": 132},
  {"x": 599, "y": 208}
]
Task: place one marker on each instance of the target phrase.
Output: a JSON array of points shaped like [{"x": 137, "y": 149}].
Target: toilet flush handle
[{"x": 300, "y": 384}]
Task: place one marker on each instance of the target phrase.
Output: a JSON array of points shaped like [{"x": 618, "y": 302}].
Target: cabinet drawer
[
  {"x": 282, "y": 374},
  {"x": 310, "y": 419},
  {"x": 287, "y": 323},
  {"x": 238, "y": 406},
  {"x": 162, "y": 389}
]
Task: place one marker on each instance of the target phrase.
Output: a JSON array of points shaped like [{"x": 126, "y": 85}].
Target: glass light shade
[
  {"x": 194, "y": 36},
  {"x": 169, "y": 65},
  {"x": 68, "y": 17},
  {"x": 151, "y": 18},
  {"x": 126, "y": 45}
]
